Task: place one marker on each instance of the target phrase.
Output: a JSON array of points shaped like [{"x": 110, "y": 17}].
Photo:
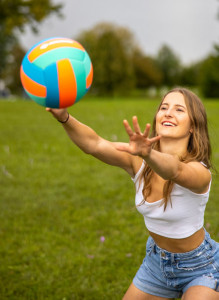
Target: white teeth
[{"x": 168, "y": 124}]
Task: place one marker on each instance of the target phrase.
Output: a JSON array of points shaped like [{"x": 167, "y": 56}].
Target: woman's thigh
[
  {"x": 200, "y": 293},
  {"x": 133, "y": 293}
]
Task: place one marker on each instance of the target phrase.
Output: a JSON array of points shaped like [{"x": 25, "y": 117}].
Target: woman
[{"x": 171, "y": 173}]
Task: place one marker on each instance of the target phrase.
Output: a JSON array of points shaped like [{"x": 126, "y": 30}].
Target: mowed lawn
[{"x": 69, "y": 229}]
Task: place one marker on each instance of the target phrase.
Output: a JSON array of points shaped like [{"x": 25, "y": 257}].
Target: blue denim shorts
[{"x": 167, "y": 274}]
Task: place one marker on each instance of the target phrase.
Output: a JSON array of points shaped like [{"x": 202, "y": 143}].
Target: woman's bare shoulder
[{"x": 136, "y": 164}]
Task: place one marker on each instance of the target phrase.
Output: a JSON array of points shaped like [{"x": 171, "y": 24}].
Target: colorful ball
[{"x": 56, "y": 72}]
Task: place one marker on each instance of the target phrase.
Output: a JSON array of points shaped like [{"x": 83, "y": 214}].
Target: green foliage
[
  {"x": 7, "y": 41},
  {"x": 11, "y": 74},
  {"x": 120, "y": 65},
  {"x": 210, "y": 75},
  {"x": 169, "y": 64},
  {"x": 17, "y": 13},
  {"x": 14, "y": 15},
  {"x": 147, "y": 74},
  {"x": 57, "y": 202},
  {"x": 190, "y": 75},
  {"x": 110, "y": 49}
]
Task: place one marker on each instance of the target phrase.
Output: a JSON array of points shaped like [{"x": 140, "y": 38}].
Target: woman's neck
[{"x": 173, "y": 147}]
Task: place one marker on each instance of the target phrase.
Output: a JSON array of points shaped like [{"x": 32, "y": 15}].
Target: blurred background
[
  {"x": 137, "y": 47},
  {"x": 69, "y": 229}
]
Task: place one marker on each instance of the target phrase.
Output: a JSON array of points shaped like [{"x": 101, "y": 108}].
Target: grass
[{"x": 56, "y": 204}]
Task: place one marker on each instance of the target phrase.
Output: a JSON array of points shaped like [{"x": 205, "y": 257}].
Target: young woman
[{"x": 171, "y": 172}]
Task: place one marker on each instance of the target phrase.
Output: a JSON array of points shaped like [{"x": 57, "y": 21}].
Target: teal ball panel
[
  {"x": 57, "y": 54},
  {"x": 52, "y": 85},
  {"x": 80, "y": 75}
]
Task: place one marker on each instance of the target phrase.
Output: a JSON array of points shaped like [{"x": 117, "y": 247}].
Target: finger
[
  {"x": 123, "y": 147},
  {"x": 136, "y": 125},
  {"x": 48, "y": 109},
  {"x": 128, "y": 128},
  {"x": 155, "y": 139},
  {"x": 147, "y": 130}
]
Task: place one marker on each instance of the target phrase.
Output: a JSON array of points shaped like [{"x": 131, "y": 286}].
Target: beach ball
[{"x": 56, "y": 72}]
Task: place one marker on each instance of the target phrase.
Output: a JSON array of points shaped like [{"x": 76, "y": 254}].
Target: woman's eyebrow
[
  {"x": 180, "y": 105},
  {"x": 174, "y": 105}
]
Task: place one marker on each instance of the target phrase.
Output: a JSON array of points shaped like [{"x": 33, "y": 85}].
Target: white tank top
[{"x": 181, "y": 220}]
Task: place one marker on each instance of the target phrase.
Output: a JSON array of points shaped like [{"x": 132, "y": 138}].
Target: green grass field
[{"x": 56, "y": 203}]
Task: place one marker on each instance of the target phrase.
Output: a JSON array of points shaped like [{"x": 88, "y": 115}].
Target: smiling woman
[
  {"x": 188, "y": 139},
  {"x": 170, "y": 169}
]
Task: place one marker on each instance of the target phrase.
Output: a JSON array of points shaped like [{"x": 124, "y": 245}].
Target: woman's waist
[{"x": 179, "y": 245}]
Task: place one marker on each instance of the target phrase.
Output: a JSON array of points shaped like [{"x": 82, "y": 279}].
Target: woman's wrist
[
  {"x": 146, "y": 156},
  {"x": 64, "y": 120}
]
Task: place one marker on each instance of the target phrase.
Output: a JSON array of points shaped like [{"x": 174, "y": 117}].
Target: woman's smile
[{"x": 168, "y": 123}]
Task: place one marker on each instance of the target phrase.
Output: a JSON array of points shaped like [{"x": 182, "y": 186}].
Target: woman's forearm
[
  {"x": 165, "y": 165},
  {"x": 81, "y": 135}
]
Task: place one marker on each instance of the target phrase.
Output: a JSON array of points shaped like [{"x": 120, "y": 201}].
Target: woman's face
[{"x": 172, "y": 119}]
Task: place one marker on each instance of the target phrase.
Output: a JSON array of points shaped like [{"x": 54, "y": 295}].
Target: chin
[
  {"x": 168, "y": 136},
  {"x": 165, "y": 133}
]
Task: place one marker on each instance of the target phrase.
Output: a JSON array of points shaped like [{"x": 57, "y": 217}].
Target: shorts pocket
[
  {"x": 191, "y": 266},
  {"x": 194, "y": 263}
]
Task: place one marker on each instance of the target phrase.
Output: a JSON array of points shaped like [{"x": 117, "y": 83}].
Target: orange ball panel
[
  {"x": 31, "y": 86},
  {"x": 89, "y": 78},
  {"x": 67, "y": 83}
]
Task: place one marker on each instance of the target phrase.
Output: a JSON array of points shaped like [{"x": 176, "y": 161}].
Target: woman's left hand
[{"x": 139, "y": 143}]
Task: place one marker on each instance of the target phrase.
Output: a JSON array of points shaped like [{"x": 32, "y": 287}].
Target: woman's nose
[{"x": 169, "y": 112}]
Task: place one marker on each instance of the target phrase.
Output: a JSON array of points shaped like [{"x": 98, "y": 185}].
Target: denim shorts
[{"x": 167, "y": 274}]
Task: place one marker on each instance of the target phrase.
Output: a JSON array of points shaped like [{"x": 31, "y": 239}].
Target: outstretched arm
[{"x": 91, "y": 143}]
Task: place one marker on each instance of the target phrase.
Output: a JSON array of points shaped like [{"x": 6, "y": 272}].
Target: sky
[{"x": 189, "y": 27}]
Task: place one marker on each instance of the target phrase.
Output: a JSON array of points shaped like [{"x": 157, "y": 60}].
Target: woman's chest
[{"x": 157, "y": 187}]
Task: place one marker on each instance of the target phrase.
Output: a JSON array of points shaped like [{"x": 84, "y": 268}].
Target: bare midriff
[{"x": 179, "y": 245}]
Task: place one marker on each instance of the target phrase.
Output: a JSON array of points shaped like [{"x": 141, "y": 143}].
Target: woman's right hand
[
  {"x": 61, "y": 114},
  {"x": 140, "y": 144}
]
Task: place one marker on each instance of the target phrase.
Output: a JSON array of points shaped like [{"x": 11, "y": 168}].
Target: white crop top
[{"x": 181, "y": 220}]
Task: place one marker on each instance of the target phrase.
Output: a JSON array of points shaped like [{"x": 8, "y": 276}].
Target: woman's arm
[
  {"x": 192, "y": 175},
  {"x": 91, "y": 143}
]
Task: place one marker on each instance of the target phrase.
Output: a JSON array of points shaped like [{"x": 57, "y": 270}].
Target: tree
[
  {"x": 147, "y": 73},
  {"x": 210, "y": 75},
  {"x": 14, "y": 15},
  {"x": 169, "y": 64},
  {"x": 190, "y": 75},
  {"x": 110, "y": 48},
  {"x": 11, "y": 72}
]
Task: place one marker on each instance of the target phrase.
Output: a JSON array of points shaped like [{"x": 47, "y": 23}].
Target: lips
[{"x": 168, "y": 123}]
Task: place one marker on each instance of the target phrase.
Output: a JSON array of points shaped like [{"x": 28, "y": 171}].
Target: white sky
[{"x": 189, "y": 27}]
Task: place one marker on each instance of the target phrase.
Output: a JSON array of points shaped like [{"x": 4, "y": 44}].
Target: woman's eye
[{"x": 163, "y": 108}]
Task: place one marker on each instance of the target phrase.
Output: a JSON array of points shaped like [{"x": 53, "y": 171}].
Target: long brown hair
[{"x": 198, "y": 149}]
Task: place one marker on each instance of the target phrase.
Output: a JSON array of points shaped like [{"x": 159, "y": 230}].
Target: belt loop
[
  {"x": 154, "y": 248},
  {"x": 217, "y": 286},
  {"x": 151, "y": 247},
  {"x": 172, "y": 257},
  {"x": 209, "y": 240},
  {"x": 213, "y": 245}
]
